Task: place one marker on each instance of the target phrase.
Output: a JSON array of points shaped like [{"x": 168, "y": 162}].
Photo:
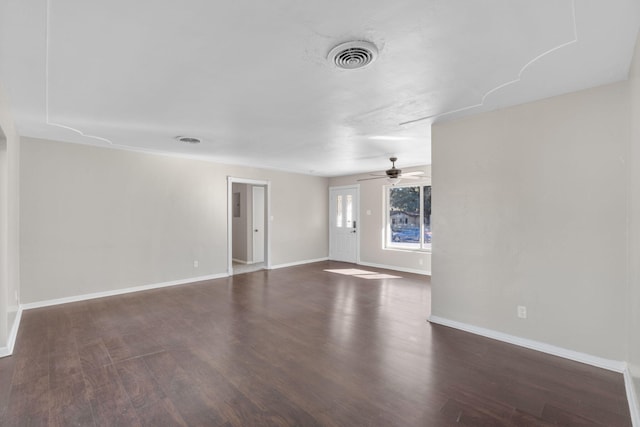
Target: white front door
[
  {"x": 343, "y": 222},
  {"x": 258, "y": 224}
]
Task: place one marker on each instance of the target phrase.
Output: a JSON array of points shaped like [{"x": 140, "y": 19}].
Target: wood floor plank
[
  {"x": 161, "y": 413},
  {"x": 93, "y": 355},
  {"x": 7, "y": 365},
  {"x": 138, "y": 382},
  {"x": 27, "y": 401},
  {"x": 70, "y": 406},
  {"x": 524, "y": 419},
  {"x": 183, "y": 390},
  {"x": 111, "y": 407},
  {"x": 100, "y": 378},
  {"x": 139, "y": 343},
  {"x": 296, "y": 346},
  {"x": 64, "y": 367},
  {"x": 218, "y": 389},
  {"x": 559, "y": 416}
]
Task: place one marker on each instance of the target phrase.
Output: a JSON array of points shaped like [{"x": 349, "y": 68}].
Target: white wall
[
  {"x": 4, "y": 231},
  {"x": 98, "y": 219},
  {"x": 10, "y": 220},
  {"x": 529, "y": 208},
  {"x": 633, "y": 338},
  {"x": 371, "y": 227}
]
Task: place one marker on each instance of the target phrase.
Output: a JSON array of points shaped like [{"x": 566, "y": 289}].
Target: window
[{"x": 409, "y": 217}]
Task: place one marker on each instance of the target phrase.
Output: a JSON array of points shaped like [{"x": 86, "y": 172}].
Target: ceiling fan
[{"x": 394, "y": 175}]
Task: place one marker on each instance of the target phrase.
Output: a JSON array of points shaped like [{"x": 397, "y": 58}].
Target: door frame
[
  {"x": 254, "y": 192},
  {"x": 356, "y": 188},
  {"x": 267, "y": 229}
]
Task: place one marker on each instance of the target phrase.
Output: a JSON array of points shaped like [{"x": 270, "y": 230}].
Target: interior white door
[
  {"x": 258, "y": 224},
  {"x": 343, "y": 215}
]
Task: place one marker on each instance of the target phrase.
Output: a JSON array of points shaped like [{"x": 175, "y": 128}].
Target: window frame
[{"x": 388, "y": 242}]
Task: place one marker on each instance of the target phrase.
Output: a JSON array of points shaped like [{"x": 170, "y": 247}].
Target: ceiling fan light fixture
[
  {"x": 189, "y": 139},
  {"x": 394, "y": 181},
  {"x": 353, "y": 55}
]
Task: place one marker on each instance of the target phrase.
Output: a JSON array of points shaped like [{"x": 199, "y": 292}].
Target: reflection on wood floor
[
  {"x": 240, "y": 268},
  {"x": 296, "y": 346}
]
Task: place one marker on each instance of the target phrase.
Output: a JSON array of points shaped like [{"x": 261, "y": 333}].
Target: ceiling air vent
[
  {"x": 353, "y": 55},
  {"x": 188, "y": 139}
]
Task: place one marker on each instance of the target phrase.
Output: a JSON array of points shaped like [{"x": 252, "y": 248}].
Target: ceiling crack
[
  {"x": 503, "y": 85},
  {"x": 46, "y": 84}
]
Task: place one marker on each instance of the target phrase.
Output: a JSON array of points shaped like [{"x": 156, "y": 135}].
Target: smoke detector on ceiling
[
  {"x": 188, "y": 139},
  {"x": 353, "y": 55}
]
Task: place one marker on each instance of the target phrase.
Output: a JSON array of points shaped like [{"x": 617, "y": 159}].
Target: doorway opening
[{"x": 248, "y": 225}]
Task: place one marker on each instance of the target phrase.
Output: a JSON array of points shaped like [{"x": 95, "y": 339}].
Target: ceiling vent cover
[
  {"x": 353, "y": 55},
  {"x": 188, "y": 139}
]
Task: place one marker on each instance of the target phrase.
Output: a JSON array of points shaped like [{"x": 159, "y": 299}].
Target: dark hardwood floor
[{"x": 290, "y": 347}]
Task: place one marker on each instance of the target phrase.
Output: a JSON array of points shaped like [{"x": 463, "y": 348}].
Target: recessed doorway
[{"x": 248, "y": 225}]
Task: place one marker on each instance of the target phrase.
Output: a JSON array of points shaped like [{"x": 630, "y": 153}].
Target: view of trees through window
[{"x": 409, "y": 217}]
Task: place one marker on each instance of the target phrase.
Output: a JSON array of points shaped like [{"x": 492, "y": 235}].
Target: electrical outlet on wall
[
  {"x": 522, "y": 312},
  {"x": 195, "y": 264}
]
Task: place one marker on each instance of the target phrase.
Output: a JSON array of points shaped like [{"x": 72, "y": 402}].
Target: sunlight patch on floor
[
  {"x": 377, "y": 276},
  {"x": 363, "y": 274}
]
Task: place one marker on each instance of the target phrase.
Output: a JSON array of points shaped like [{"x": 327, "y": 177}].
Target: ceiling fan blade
[
  {"x": 367, "y": 179},
  {"x": 394, "y": 175}
]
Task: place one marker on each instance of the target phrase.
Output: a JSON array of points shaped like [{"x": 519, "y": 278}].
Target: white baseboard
[
  {"x": 293, "y": 264},
  {"x": 85, "y": 297},
  {"x": 396, "y": 268},
  {"x": 13, "y": 334},
  {"x": 632, "y": 397},
  {"x": 608, "y": 364},
  {"x": 240, "y": 261}
]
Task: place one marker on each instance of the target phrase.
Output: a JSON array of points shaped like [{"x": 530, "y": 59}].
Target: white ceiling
[{"x": 251, "y": 78}]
